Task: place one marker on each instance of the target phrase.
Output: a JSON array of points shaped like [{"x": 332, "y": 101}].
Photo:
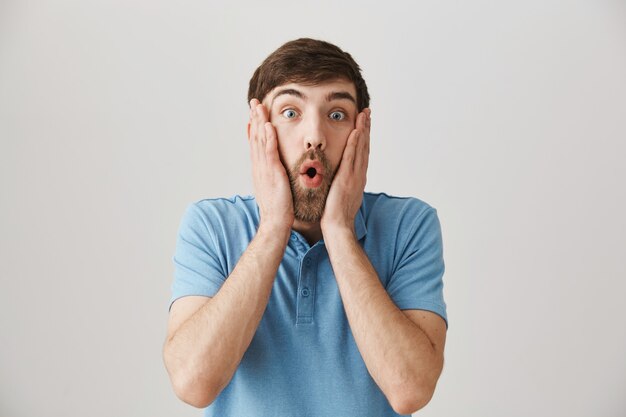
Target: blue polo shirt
[{"x": 303, "y": 359}]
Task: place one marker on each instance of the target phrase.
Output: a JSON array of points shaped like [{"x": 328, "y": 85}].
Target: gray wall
[{"x": 508, "y": 117}]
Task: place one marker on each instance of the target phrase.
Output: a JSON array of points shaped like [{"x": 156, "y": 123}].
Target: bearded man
[{"x": 312, "y": 297}]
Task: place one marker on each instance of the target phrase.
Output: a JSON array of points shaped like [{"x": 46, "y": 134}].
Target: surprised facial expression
[{"x": 312, "y": 123}]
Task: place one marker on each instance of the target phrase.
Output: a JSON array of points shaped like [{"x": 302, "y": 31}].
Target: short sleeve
[
  {"x": 417, "y": 279},
  {"x": 198, "y": 269}
]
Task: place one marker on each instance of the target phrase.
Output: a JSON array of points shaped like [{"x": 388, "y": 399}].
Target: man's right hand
[
  {"x": 271, "y": 184},
  {"x": 207, "y": 339}
]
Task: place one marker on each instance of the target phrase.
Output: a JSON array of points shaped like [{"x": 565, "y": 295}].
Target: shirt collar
[
  {"x": 359, "y": 221},
  {"x": 359, "y": 224}
]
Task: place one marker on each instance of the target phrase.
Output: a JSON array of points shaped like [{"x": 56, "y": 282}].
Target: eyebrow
[
  {"x": 289, "y": 91},
  {"x": 333, "y": 95},
  {"x": 340, "y": 95}
]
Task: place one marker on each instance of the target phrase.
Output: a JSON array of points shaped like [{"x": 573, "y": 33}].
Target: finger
[
  {"x": 362, "y": 154},
  {"x": 253, "y": 104},
  {"x": 366, "y": 162},
  {"x": 256, "y": 135},
  {"x": 258, "y": 132},
  {"x": 262, "y": 111},
  {"x": 255, "y": 156},
  {"x": 361, "y": 125},
  {"x": 261, "y": 119},
  {"x": 360, "y": 121},
  {"x": 271, "y": 147},
  {"x": 362, "y": 139},
  {"x": 369, "y": 130},
  {"x": 368, "y": 124},
  {"x": 256, "y": 118},
  {"x": 347, "y": 160},
  {"x": 252, "y": 123},
  {"x": 250, "y": 120}
]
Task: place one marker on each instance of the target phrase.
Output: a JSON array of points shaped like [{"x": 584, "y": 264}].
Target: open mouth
[{"x": 312, "y": 174}]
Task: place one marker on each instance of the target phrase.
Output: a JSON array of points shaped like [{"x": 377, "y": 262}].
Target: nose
[{"x": 314, "y": 136}]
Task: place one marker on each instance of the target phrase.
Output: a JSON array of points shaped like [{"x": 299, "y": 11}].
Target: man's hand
[
  {"x": 207, "y": 338},
  {"x": 271, "y": 184},
  {"x": 346, "y": 192}
]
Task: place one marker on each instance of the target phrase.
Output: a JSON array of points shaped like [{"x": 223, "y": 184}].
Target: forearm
[
  {"x": 398, "y": 354},
  {"x": 205, "y": 351}
]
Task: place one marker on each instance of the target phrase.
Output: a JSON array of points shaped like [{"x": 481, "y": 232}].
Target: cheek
[
  {"x": 334, "y": 154},
  {"x": 339, "y": 142}
]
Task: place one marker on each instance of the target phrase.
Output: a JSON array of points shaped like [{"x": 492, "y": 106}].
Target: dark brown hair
[{"x": 307, "y": 61}]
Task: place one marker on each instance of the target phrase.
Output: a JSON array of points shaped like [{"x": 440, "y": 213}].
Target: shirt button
[
  {"x": 307, "y": 262},
  {"x": 305, "y": 292},
  {"x": 293, "y": 237}
]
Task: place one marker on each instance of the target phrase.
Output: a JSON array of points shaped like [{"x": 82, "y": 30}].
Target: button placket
[{"x": 306, "y": 290}]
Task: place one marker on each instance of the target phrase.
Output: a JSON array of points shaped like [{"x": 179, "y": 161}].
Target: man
[{"x": 312, "y": 298}]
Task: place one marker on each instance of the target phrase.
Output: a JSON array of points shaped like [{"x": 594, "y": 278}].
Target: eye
[
  {"x": 337, "y": 115},
  {"x": 289, "y": 113}
]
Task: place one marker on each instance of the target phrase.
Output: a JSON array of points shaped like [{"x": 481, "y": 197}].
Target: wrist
[
  {"x": 277, "y": 230},
  {"x": 337, "y": 229}
]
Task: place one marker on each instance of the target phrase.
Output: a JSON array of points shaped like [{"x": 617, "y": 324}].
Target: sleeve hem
[
  {"x": 436, "y": 308},
  {"x": 196, "y": 293}
]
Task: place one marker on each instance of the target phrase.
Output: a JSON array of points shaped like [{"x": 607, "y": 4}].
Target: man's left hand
[{"x": 346, "y": 192}]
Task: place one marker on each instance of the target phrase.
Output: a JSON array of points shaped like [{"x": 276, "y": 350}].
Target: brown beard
[{"x": 309, "y": 203}]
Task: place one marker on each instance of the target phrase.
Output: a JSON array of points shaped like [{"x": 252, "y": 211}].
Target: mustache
[{"x": 313, "y": 154}]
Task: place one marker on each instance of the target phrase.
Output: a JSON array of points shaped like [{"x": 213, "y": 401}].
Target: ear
[{"x": 248, "y": 130}]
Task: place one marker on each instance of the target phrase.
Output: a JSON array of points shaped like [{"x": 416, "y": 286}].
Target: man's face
[{"x": 313, "y": 124}]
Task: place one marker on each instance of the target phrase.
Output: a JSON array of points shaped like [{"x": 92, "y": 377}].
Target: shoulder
[
  {"x": 223, "y": 212},
  {"x": 396, "y": 222},
  {"x": 235, "y": 205},
  {"x": 394, "y": 209}
]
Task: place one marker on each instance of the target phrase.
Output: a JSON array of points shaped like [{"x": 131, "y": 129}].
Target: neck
[{"x": 312, "y": 232}]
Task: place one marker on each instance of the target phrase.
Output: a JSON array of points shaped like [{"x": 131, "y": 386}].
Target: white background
[{"x": 508, "y": 117}]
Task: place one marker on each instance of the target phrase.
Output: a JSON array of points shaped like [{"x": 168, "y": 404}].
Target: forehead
[{"x": 318, "y": 93}]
